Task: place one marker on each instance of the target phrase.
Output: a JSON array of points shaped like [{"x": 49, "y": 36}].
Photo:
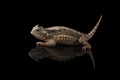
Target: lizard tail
[{"x": 95, "y": 28}]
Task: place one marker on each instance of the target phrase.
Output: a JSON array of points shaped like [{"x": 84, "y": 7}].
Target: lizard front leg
[
  {"x": 49, "y": 42},
  {"x": 83, "y": 41}
]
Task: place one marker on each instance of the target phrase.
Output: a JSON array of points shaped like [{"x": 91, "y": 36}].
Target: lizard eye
[{"x": 37, "y": 30}]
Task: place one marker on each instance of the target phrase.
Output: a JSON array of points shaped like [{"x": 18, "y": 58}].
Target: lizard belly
[{"x": 65, "y": 39}]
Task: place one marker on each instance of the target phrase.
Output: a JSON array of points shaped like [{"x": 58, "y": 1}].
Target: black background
[
  {"x": 83, "y": 20},
  {"x": 81, "y": 17}
]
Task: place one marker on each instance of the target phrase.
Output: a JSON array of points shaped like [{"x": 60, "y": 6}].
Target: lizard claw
[{"x": 86, "y": 47}]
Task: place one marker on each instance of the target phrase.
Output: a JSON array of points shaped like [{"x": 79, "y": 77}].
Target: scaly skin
[{"x": 63, "y": 35}]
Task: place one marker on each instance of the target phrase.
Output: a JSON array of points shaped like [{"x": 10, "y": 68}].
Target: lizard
[{"x": 63, "y": 35}]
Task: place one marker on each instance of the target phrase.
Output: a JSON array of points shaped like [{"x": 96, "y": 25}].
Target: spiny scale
[{"x": 64, "y": 37}]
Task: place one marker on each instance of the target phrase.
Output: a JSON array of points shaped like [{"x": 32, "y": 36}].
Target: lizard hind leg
[{"x": 83, "y": 40}]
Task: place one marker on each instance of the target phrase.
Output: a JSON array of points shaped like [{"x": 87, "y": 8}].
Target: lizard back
[{"x": 60, "y": 30}]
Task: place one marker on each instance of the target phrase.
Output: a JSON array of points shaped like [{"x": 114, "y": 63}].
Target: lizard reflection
[{"x": 59, "y": 53}]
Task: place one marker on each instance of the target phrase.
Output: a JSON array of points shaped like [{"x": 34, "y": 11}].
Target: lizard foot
[
  {"x": 39, "y": 43},
  {"x": 86, "y": 48}
]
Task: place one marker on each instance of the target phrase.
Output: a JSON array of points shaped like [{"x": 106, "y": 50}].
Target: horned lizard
[{"x": 63, "y": 35}]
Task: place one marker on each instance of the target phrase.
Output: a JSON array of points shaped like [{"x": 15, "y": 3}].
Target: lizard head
[{"x": 39, "y": 32}]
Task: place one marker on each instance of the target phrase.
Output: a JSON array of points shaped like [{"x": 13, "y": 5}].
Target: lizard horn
[{"x": 95, "y": 28}]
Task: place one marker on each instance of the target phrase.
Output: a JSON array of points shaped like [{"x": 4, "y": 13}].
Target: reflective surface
[{"x": 59, "y": 53}]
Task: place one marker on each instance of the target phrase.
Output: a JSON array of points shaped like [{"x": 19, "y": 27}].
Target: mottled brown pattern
[{"x": 63, "y": 30}]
